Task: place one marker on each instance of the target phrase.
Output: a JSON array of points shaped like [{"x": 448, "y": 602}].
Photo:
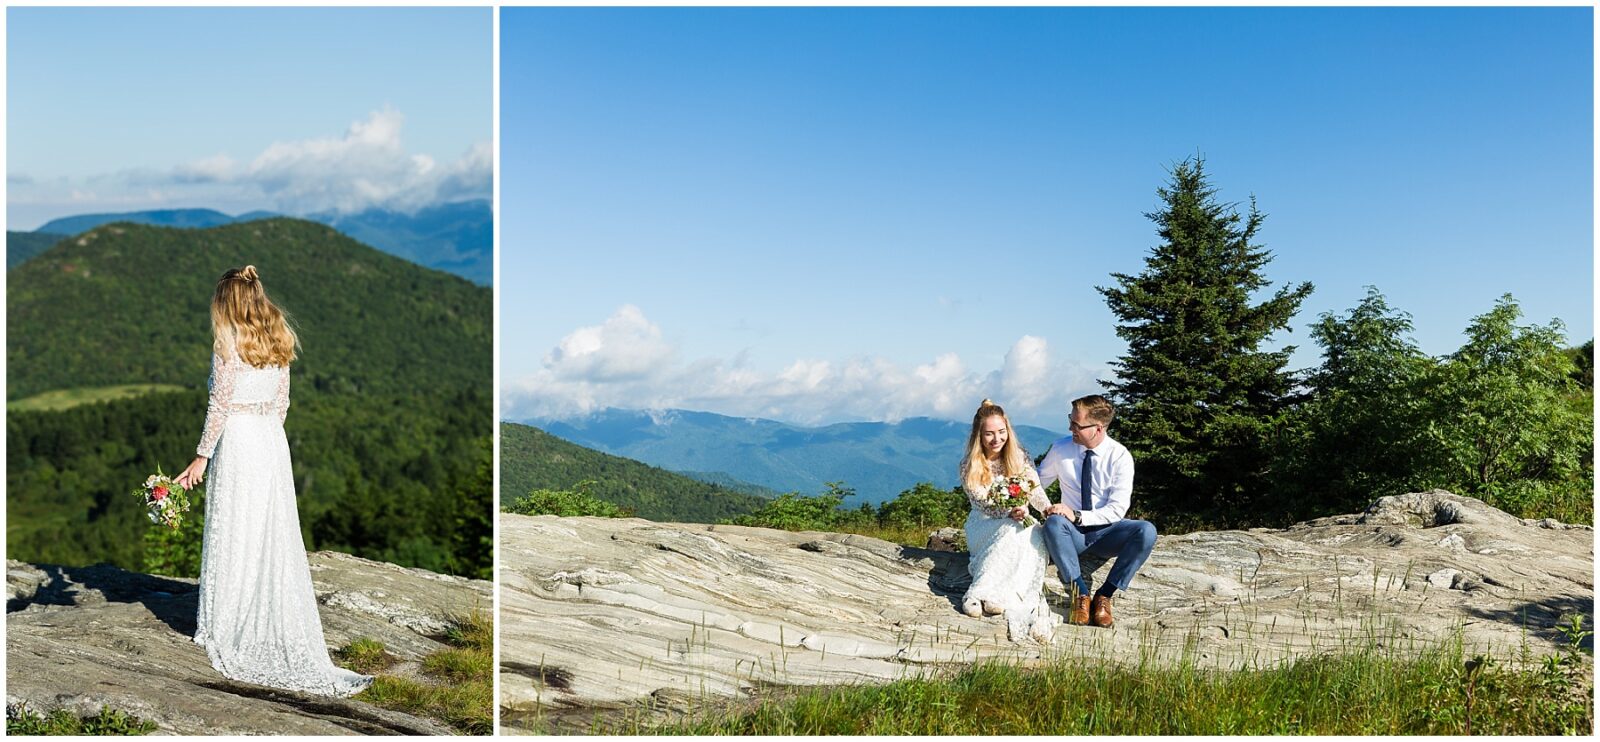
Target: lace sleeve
[
  {"x": 221, "y": 384},
  {"x": 978, "y": 500},
  {"x": 1037, "y": 498},
  {"x": 280, "y": 403}
]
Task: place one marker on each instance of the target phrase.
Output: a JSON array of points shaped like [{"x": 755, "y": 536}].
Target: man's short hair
[{"x": 1097, "y": 408}]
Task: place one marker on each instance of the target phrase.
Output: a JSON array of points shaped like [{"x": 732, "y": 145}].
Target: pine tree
[{"x": 1196, "y": 395}]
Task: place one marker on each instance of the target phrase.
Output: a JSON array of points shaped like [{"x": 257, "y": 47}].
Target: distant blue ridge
[
  {"x": 879, "y": 460},
  {"x": 453, "y": 237}
]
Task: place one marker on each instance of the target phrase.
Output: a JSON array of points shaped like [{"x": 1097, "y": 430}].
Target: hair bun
[
  {"x": 986, "y": 402},
  {"x": 248, "y": 273}
]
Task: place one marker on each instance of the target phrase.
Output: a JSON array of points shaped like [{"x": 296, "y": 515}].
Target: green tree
[
  {"x": 925, "y": 506},
  {"x": 1363, "y": 432},
  {"x": 1514, "y": 426},
  {"x": 1197, "y": 397},
  {"x": 472, "y": 539},
  {"x": 1583, "y": 365}
]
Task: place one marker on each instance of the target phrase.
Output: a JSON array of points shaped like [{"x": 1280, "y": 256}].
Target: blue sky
[
  {"x": 288, "y": 109},
  {"x": 845, "y": 214}
]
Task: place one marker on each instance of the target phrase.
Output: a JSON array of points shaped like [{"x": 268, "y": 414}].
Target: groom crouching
[{"x": 1096, "y": 476}]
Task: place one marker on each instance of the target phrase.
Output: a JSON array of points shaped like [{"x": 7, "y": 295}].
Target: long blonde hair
[
  {"x": 246, "y": 322},
  {"x": 975, "y": 473}
]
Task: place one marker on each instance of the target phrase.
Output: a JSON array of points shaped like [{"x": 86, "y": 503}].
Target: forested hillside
[
  {"x": 391, "y": 415},
  {"x": 533, "y": 459}
]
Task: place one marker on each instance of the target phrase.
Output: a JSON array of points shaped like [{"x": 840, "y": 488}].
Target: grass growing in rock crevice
[
  {"x": 457, "y": 683},
  {"x": 1442, "y": 691},
  {"x": 105, "y": 722},
  {"x": 366, "y": 656}
]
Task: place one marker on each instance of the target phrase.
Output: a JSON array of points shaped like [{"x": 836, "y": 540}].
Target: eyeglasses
[{"x": 1076, "y": 427}]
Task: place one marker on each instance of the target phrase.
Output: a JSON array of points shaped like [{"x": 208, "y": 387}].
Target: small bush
[
  {"x": 567, "y": 504},
  {"x": 907, "y": 519},
  {"x": 925, "y": 507},
  {"x": 796, "y": 512}
]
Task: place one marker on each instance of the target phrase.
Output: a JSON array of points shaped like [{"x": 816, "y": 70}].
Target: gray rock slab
[
  {"x": 86, "y": 638},
  {"x": 603, "y": 613}
]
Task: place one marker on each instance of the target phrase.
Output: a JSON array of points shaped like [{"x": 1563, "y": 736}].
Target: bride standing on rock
[
  {"x": 1007, "y": 559},
  {"x": 257, "y": 614}
]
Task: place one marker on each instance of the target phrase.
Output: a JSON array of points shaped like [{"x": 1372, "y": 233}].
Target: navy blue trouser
[{"x": 1130, "y": 541}]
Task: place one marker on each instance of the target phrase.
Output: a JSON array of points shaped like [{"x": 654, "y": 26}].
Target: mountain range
[
  {"x": 879, "y": 460},
  {"x": 453, "y": 237}
]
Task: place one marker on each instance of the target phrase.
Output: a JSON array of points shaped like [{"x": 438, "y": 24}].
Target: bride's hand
[
  {"x": 1019, "y": 514},
  {"x": 194, "y": 474}
]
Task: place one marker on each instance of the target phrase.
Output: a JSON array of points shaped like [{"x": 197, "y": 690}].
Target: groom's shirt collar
[{"x": 1112, "y": 490}]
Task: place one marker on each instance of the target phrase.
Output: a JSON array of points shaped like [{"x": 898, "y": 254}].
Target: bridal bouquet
[
  {"x": 1012, "y": 492},
  {"x": 165, "y": 501}
]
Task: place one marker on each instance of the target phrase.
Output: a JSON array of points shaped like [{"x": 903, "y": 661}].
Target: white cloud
[
  {"x": 624, "y": 362},
  {"x": 213, "y": 169},
  {"x": 365, "y": 167},
  {"x": 627, "y": 347}
]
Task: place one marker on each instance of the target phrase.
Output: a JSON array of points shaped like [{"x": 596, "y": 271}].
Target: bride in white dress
[
  {"x": 1007, "y": 561},
  {"x": 258, "y": 613}
]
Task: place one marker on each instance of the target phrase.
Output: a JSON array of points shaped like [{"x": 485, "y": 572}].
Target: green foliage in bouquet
[{"x": 176, "y": 551}]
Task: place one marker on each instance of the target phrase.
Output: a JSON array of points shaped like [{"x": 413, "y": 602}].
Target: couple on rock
[{"x": 1008, "y": 550}]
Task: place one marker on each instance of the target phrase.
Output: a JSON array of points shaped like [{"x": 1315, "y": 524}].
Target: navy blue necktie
[{"x": 1086, "y": 481}]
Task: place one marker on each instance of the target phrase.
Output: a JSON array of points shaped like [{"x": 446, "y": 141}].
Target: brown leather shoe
[
  {"x": 1101, "y": 611},
  {"x": 1080, "y": 611}
]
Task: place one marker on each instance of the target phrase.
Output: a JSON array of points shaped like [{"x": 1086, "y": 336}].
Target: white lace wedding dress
[
  {"x": 258, "y": 614},
  {"x": 1007, "y": 564}
]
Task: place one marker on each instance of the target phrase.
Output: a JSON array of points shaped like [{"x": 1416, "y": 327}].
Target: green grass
[
  {"x": 62, "y": 399},
  {"x": 457, "y": 687},
  {"x": 916, "y": 536},
  {"x": 465, "y": 707},
  {"x": 365, "y": 656},
  {"x": 22, "y": 721},
  {"x": 1439, "y": 691}
]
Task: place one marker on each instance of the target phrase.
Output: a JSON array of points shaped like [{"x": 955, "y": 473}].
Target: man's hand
[{"x": 1060, "y": 509}]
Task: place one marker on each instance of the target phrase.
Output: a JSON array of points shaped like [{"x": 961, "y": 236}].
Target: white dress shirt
[{"x": 1112, "y": 489}]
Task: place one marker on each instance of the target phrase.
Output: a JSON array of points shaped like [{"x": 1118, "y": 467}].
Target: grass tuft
[
  {"x": 473, "y": 630},
  {"x": 21, "y": 721},
  {"x": 364, "y": 655},
  {"x": 457, "y": 687},
  {"x": 466, "y": 707}
]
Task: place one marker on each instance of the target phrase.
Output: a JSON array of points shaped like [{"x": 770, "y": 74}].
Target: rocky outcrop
[
  {"x": 609, "y": 613},
  {"x": 83, "y": 638}
]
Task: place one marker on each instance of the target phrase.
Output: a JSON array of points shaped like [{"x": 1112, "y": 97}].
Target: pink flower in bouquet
[
  {"x": 158, "y": 493},
  {"x": 1014, "y": 490}
]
